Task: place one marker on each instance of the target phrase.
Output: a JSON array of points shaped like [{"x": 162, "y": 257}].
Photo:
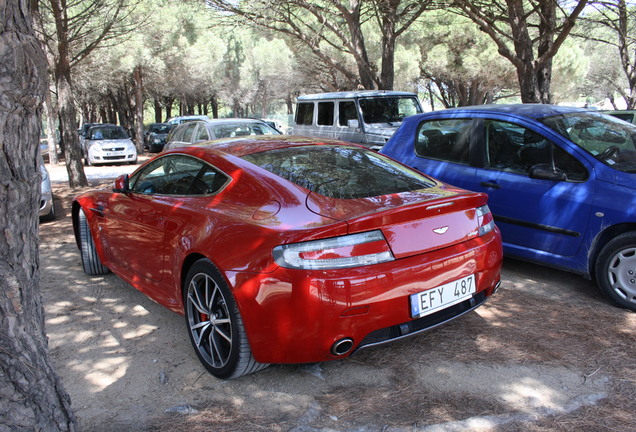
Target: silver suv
[{"x": 365, "y": 117}]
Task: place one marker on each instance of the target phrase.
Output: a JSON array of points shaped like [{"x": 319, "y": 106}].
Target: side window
[
  {"x": 305, "y": 113},
  {"x": 347, "y": 111},
  {"x": 517, "y": 149},
  {"x": 258, "y": 129},
  {"x": 176, "y": 134},
  {"x": 325, "y": 113},
  {"x": 202, "y": 133},
  {"x": 447, "y": 140},
  {"x": 178, "y": 175},
  {"x": 188, "y": 131}
]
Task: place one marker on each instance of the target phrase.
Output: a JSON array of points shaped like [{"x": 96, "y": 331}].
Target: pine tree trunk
[
  {"x": 68, "y": 113},
  {"x": 138, "y": 107},
  {"x": 31, "y": 396}
]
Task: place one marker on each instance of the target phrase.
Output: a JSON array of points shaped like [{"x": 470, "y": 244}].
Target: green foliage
[
  {"x": 461, "y": 61},
  {"x": 192, "y": 56}
]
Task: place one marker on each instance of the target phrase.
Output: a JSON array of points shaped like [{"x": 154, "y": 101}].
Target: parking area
[{"x": 547, "y": 352}]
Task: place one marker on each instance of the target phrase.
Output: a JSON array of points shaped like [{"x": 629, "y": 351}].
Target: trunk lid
[{"x": 412, "y": 222}]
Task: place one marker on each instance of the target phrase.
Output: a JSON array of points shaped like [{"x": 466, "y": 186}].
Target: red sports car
[{"x": 290, "y": 250}]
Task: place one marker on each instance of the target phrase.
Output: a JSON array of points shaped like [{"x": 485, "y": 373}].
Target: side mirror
[
  {"x": 353, "y": 123},
  {"x": 547, "y": 172},
  {"x": 122, "y": 184}
]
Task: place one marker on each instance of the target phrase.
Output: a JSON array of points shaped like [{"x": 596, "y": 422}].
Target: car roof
[
  {"x": 353, "y": 94},
  {"x": 188, "y": 117},
  {"x": 224, "y": 121},
  {"x": 232, "y": 120},
  {"x": 105, "y": 126},
  {"x": 533, "y": 111}
]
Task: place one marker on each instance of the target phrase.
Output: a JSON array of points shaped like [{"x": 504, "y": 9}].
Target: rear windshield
[{"x": 340, "y": 172}]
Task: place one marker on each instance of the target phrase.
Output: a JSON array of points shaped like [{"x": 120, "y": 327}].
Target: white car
[{"x": 108, "y": 144}]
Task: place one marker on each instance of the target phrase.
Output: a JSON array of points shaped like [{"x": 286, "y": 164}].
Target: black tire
[
  {"x": 214, "y": 324},
  {"x": 616, "y": 270},
  {"x": 91, "y": 263}
]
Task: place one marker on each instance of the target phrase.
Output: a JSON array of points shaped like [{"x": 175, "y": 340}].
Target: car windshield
[
  {"x": 107, "y": 133},
  {"x": 610, "y": 140},
  {"x": 340, "y": 172},
  {"x": 388, "y": 109}
]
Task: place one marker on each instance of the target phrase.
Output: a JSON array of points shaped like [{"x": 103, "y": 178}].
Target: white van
[{"x": 365, "y": 117}]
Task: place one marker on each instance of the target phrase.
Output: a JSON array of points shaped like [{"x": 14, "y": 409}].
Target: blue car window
[
  {"x": 611, "y": 141},
  {"x": 447, "y": 140},
  {"x": 514, "y": 148}
]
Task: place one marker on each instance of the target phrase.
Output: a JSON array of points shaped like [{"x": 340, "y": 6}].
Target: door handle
[{"x": 491, "y": 185}]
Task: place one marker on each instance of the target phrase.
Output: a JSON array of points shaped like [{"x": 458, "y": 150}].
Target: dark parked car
[
  {"x": 83, "y": 130},
  {"x": 204, "y": 130},
  {"x": 291, "y": 250},
  {"x": 156, "y": 136},
  {"x": 561, "y": 182}
]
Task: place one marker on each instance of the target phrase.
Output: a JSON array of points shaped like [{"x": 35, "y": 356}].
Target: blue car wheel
[{"x": 616, "y": 270}]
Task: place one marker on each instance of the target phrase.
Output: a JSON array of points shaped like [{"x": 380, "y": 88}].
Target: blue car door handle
[{"x": 490, "y": 185}]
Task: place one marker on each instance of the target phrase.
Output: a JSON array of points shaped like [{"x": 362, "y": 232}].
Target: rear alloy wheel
[
  {"x": 616, "y": 270},
  {"x": 215, "y": 325},
  {"x": 91, "y": 263}
]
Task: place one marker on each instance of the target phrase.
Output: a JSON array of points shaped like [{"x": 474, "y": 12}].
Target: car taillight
[
  {"x": 485, "y": 220},
  {"x": 338, "y": 252}
]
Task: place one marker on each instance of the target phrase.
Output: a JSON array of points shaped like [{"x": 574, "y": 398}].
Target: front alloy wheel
[
  {"x": 215, "y": 325},
  {"x": 616, "y": 270}
]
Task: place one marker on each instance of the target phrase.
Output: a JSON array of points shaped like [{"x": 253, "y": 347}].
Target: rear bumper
[
  {"x": 428, "y": 322},
  {"x": 294, "y": 316},
  {"x": 46, "y": 203}
]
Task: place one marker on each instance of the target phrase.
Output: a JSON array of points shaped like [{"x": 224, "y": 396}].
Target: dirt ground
[{"x": 546, "y": 353}]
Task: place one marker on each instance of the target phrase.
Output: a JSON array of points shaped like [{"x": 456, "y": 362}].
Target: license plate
[
  {"x": 113, "y": 153},
  {"x": 443, "y": 296}
]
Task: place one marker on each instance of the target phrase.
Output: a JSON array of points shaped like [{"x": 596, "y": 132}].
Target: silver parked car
[
  {"x": 367, "y": 117},
  {"x": 108, "y": 144},
  {"x": 47, "y": 206},
  {"x": 203, "y": 130}
]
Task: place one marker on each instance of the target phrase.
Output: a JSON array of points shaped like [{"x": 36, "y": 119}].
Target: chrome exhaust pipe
[
  {"x": 496, "y": 287},
  {"x": 342, "y": 346}
]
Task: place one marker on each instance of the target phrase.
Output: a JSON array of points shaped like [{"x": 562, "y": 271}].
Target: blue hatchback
[{"x": 561, "y": 182}]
